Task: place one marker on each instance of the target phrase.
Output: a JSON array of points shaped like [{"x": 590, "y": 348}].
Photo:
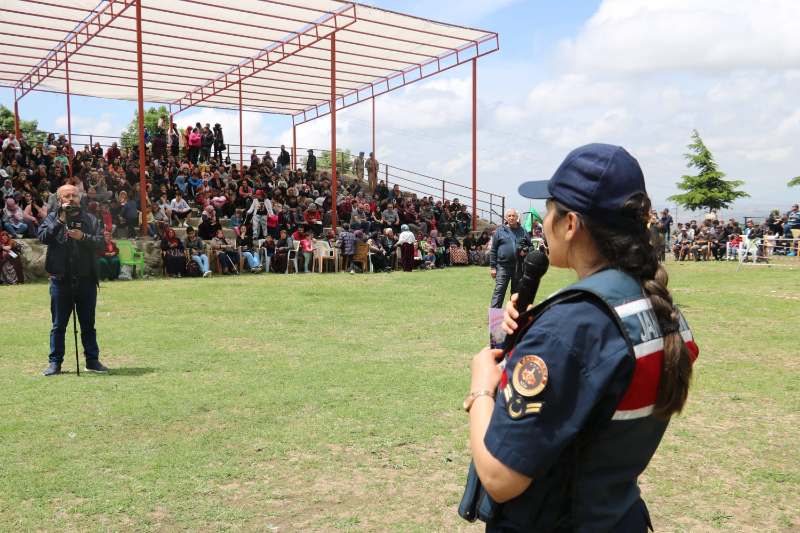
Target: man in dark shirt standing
[
  {"x": 509, "y": 246},
  {"x": 72, "y": 240}
]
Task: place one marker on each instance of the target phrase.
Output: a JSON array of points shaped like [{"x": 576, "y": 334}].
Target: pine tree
[
  {"x": 795, "y": 182},
  {"x": 708, "y": 190}
]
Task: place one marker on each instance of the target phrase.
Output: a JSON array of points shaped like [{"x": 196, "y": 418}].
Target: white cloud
[{"x": 631, "y": 36}]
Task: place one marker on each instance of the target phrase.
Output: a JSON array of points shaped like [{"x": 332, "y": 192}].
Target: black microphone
[{"x": 534, "y": 267}]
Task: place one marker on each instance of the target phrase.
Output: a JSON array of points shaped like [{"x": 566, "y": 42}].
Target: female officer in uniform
[{"x": 561, "y": 432}]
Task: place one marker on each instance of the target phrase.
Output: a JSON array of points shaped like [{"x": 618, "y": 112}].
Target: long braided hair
[{"x": 635, "y": 253}]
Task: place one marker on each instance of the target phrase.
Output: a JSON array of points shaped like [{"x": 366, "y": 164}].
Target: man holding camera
[
  {"x": 509, "y": 247},
  {"x": 72, "y": 237}
]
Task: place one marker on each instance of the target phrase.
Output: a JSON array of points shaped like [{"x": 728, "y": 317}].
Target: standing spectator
[
  {"x": 373, "y": 167},
  {"x": 206, "y": 143},
  {"x": 108, "y": 259},
  {"x": 508, "y": 248},
  {"x": 347, "y": 244},
  {"x": 284, "y": 160},
  {"x": 197, "y": 251},
  {"x": 666, "y": 221},
  {"x": 219, "y": 141},
  {"x": 311, "y": 162},
  {"x": 195, "y": 145},
  {"x": 406, "y": 241},
  {"x": 358, "y": 163}
]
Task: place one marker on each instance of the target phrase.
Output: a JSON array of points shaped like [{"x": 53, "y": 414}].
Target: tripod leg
[{"x": 75, "y": 329}]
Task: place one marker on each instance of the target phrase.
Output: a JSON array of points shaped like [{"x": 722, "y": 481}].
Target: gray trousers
[{"x": 505, "y": 275}]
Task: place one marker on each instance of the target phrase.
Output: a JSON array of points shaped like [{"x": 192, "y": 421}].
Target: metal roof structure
[{"x": 288, "y": 57}]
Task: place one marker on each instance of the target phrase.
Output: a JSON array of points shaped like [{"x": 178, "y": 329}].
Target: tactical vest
[{"x": 630, "y": 423}]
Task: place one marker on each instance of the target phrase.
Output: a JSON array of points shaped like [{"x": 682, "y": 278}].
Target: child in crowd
[
  {"x": 347, "y": 244},
  {"x": 429, "y": 260},
  {"x": 306, "y": 250},
  {"x": 236, "y": 221},
  {"x": 769, "y": 243},
  {"x": 734, "y": 245}
]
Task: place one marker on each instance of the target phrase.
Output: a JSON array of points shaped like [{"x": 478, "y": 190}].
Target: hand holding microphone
[{"x": 533, "y": 268}]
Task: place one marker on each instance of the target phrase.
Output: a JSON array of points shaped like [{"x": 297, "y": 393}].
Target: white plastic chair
[
  {"x": 292, "y": 257},
  {"x": 322, "y": 252},
  {"x": 748, "y": 248},
  {"x": 265, "y": 261}
]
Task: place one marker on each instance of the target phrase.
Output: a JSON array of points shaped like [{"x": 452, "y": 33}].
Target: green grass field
[{"x": 333, "y": 403}]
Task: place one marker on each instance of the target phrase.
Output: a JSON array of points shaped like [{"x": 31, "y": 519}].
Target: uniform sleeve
[{"x": 586, "y": 362}]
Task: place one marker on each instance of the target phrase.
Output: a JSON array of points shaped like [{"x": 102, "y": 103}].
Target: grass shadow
[{"x": 131, "y": 371}]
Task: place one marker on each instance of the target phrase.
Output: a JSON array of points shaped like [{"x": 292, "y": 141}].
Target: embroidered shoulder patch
[{"x": 530, "y": 376}]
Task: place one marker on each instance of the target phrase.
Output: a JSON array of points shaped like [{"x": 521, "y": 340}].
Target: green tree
[
  {"x": 708, "y": 190},
  {"x": 343, "y": 164},
  {"x": 795, "y": 182},
  {"x": 130, "y": 137},
  {"x": 28, "y": 127}
]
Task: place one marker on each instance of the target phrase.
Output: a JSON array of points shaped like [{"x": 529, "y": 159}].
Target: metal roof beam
[
  {"x": 271, "y": 56},
  {"x": 74, "y": 42},
  {"x": 433, "y": 66}
]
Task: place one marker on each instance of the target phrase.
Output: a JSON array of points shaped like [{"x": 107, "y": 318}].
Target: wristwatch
[{"x": 471, "y": 397}]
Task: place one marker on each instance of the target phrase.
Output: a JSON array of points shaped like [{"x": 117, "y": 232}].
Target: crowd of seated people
[
  {"x": 263, "y": 199},
  {"x": 777, "y": 234}
]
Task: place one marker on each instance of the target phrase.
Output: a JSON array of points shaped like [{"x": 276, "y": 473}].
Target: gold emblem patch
[{"x": 530, "y": 376}]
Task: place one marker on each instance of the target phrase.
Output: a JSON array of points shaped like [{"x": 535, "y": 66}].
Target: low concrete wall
[{"x": 34, "y": 253}]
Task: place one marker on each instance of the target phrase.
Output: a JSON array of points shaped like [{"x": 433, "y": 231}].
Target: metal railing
[
  {"x": 489, "y": 205},
  {"x": 487, "y": 202}
]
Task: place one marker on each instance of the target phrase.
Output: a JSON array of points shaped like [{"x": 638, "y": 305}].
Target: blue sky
[{"x": 638, "y": 74}]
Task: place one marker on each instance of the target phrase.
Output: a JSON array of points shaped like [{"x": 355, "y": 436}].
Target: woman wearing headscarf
[
  {"x": 249, "y": 250},
  {"x": 469, "y": 244},
  {"x": 377, "y": 254},
  {"x": 108, "y": 259},
  {"x": 282, "y": 247},
  {"x": 10, "y": 261},
  {"x": 228, "y": 256},
  {"x": 484, "y": 244},
  {"x": 210, "y": 225},
  {"x": 174, "y": 257},
  {"x": 406, "y": 241}
]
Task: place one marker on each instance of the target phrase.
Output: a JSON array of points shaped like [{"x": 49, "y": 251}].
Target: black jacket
[
  {"x": 311, "y": 163},
  {"x": 53, "y": 233},
  {"x": 284, "y": 158}
]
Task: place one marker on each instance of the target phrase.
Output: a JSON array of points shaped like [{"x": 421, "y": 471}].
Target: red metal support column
[
  {"x": 169, "y": 133},
  {"x": 334, "y": 217},
  {"x": 70, "y": 157},
  {"x": 474, "y": 144},
  {"x": 294, "y": 147},
  {"x": 140, "y": 83},
  {"x": 241, "y": 141},
  {"x": 373, "y": 175},
  {"x": 16, "y": 116}
]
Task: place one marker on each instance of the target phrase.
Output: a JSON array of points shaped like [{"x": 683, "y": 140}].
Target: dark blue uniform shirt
[{"x": 587, "y": 435}]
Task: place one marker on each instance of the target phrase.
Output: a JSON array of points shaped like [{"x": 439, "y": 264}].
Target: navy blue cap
[{"x": 594, "y": 180}]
